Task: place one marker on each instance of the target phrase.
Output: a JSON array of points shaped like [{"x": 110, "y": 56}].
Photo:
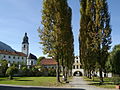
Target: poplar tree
[
  {"x": 95, "y": 34},
  {"x": 82, "y": 35},
  {"x": 56, "y": 34},
  {"x": 103, "y": 34}
]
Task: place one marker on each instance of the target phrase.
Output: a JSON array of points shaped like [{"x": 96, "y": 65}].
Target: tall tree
[
  {"x": 95, "y": 34},
  {"x": 56, "y": 28},
  {"x": 114, "y": 60},
  {"x": 82, "y": 36},
  {"x": 103, "y": 33},
  {"x": 87, "y": 51}
]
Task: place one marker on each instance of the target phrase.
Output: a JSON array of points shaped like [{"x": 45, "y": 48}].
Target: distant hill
[{"x": 4, "y": 46}]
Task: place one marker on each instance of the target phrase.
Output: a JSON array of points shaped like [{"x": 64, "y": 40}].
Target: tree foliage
[
  {"x": 56, "y": 35},
  {"x": 11, "y": 71},
  {"x": 39, "y": 59},
  {"x": 3, "y": 66},
  {"x": 95, "y": 34},
  {"x": 114, "y": 60}
]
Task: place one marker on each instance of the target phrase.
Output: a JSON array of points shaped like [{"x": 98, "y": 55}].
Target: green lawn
[
  {"x": 34, "y": 81},
  {"x": 107, "y": 82}
]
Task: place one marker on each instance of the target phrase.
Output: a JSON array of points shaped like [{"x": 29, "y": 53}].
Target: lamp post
[
  {"x": 8, "y": 64},
  {"x": 19, "y": 66}
]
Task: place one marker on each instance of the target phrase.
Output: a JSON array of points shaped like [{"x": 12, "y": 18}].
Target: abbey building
[{"x": 9, "y": 54}]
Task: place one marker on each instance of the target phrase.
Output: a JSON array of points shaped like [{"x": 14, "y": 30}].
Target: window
[
  {"x": 22, "y": 57},
  {"x": 73, "y": 66},
  {"x": 80, "y": 66},
  {"x": 31, "y": 62},
  {"x": 24, "y": 46},
  {"x": 4, "y": 56},
  {"x": 9, "y": 57},
  {"x": 77, "y": 66},
  {"x": 14, "y": 57},
  {"x": 18, "y": 57},
  {"x": 76, "y": 57},
  {"x": 77, "y": 61},
  {"x": 13, "y": 62}
]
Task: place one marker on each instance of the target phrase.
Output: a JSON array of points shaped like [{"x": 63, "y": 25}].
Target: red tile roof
[
  {"x": 13, "y": 53},
  {"x": 48, "y": 62}
]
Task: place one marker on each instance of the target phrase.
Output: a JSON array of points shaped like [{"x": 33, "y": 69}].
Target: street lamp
[
  {"x": 19, "y": 66},
  {"x": 8, "y": 64}
]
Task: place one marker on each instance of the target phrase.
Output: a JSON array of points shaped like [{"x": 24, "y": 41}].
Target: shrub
[
  {"x": 11, "y": 71},
  {"x": 116, "y": 80},
  {"x": 3, "y": 67}
]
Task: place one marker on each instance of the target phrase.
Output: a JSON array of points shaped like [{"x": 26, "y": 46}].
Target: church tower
[{"x": 25, "y": 45}]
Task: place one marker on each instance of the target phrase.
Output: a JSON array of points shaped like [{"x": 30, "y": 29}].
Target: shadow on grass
[
  {"x": 24, "y": 80},
  {"x": 98, "y": 83},
  {"x": 3, "y": 79}
]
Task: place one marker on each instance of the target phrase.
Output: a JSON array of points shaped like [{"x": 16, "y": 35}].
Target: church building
[
  {"x": 9, "y": 54},
  {"x": 31, "y": 59}
]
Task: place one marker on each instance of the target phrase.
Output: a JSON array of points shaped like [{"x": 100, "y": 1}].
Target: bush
[
  {"x": 51, "y": 72},
  {"x": 25, "y": 71},
  {"x": 11, "y": 71},
  {"x": 116, "y": 80},
  {"x": 3, "y": 67}
]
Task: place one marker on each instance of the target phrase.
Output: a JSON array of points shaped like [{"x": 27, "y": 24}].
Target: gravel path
[{"x": 78, "y": 82}]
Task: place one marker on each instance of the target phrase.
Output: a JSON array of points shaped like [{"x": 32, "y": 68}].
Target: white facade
[
  {"x": 25, "y": 48},
  {"x": 13, "y": 58},
  {"x": 31, "y": 62},
  {"x": 77, "y": 67}
]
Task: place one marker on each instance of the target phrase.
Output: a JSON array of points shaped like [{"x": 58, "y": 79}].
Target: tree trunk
[
  {"x": 10, "y": 77},
  {"x": 105, "y": 73},
  {"x": 101, "y": 77},
  {"x": 90, "y": 74},
  {"x": 58, "y": 71},
  {"x": 66, "y": 74}
]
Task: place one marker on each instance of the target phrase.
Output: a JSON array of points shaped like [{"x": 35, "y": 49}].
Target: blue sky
[{"x": 20, "y": 16}]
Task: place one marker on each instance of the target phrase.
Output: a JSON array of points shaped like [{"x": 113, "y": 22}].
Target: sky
[{"x": 20, "y": 16}]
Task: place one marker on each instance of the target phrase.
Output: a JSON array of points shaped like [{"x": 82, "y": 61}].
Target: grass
[
  {"x": 33, "y": 81},
  {"x": 107, "y": 82}
]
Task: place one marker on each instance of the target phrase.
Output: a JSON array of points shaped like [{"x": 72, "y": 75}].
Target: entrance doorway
[{"x": 77, "y": 73}]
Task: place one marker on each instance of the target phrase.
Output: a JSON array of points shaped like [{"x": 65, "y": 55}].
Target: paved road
[
  {"x": 78, "y": 82},
  {"x": 12, "y": 87}
]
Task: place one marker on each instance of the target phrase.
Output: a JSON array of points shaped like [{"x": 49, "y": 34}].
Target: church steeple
[
  {"x": 25, "y": 45},
  {"x": 25, "y": 39}
]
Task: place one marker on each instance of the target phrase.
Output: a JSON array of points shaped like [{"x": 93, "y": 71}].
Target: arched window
[
  {"x": 77, "y": 61},
  {"x": 77, "y": 66},
  {"x": 24, "y": 46},
  {"x": 73, "y": 66}
]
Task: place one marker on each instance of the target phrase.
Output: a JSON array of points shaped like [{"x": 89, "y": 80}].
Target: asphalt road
[{"x": 35, "y": 88}]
